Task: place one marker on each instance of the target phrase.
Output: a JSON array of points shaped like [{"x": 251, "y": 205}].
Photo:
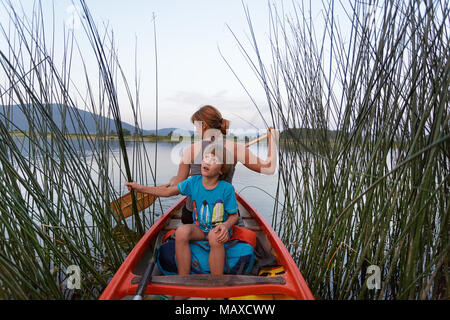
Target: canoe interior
[{"x": 245, "y": 220}]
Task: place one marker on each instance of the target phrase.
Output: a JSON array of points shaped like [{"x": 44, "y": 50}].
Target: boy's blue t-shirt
[{"x": 213, "y": 206}]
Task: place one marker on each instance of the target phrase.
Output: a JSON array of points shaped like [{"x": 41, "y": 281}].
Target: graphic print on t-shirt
[
  {"x": 218, "y": 212},
  {"x": 204, "y": 213},
  {"x": 211, "y": 220}
]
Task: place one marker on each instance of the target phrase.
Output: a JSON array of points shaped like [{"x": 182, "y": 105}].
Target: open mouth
[{"x": 204, "y": 168}]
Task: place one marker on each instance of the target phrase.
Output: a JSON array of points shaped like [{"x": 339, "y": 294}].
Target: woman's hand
[
  {"x": 273, "y": 135},
  {"x": 222, "y": 231}
]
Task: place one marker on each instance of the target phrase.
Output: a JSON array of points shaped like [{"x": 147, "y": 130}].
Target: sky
[{"x": 190, "y": 69}]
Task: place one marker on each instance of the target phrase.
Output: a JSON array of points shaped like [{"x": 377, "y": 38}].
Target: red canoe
[{"x": 287, "y": 284}]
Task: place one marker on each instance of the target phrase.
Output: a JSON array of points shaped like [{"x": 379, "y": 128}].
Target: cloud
[
  {"x": 73, "y": 20},
  {"x": 175, "y": 110},
  {"x": 223, "y": 100}
]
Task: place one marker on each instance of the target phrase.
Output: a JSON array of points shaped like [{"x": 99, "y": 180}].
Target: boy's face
[{"x": 211, "y": 165}]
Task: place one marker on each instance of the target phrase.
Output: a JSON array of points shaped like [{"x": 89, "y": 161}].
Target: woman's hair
[
  {"x": 212, "y": 117},
  {"x": 224, "y": 157}
]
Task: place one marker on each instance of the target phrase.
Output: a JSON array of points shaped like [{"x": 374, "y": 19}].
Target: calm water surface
[{"x": 258, "y": 189}]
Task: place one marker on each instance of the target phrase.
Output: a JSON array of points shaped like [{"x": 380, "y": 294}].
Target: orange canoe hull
[{"x": 294, "y": 285}]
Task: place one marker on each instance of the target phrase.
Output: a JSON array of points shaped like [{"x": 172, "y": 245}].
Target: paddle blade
[{"x": 122, "y": 207}]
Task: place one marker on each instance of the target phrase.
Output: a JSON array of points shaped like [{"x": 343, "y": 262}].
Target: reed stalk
[
  {"x": 363, "y": 160},
  {"x": 57, "y": 178}
]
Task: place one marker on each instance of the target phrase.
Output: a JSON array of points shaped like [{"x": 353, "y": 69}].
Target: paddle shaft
[
  {"x": 146, "y": 277},
  {"x": 256, "y": 140}
]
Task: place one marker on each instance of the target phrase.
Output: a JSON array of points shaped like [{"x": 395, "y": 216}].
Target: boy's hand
[
  {"x": 132, "y": 185},
  {"x": 222, "y": 231}
]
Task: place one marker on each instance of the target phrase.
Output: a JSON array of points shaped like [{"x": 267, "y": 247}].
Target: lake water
[{"x": 258, "y": 189}]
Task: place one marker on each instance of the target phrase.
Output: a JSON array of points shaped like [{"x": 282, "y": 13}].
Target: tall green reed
[
  {"x": 364, "y": 161},
  {"x": 56, "y": 187}
]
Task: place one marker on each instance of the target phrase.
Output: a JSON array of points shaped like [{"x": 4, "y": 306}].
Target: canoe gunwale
[
  {"x": 294, "y": 278},
  {"x": 115, "y": 290}
]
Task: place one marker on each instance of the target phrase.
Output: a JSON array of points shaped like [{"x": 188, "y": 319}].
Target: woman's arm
[
  {"x": 183, "y": 167},
  {"x": 155, "y": 191},
  {"x": 182, "y": 174},
  {"x": 251, "y": 161}
]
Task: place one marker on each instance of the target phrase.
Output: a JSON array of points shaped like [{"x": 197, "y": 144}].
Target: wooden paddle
[
  {"x": 256, "y": 140},
  {"x": 122, "y": 207}
]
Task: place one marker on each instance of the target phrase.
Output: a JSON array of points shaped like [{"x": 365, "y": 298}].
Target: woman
[{"x": 212, "y": 128}]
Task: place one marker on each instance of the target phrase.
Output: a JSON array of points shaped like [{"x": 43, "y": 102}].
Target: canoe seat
[{"x": 208, "y": 280}]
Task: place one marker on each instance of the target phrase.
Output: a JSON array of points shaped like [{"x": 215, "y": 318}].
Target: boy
[{"x": 215, "y": 211}]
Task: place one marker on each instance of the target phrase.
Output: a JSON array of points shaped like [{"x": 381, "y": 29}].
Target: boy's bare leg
[
  {"x": 183, "y": 235},
  {"x": 216, "y": 255}
]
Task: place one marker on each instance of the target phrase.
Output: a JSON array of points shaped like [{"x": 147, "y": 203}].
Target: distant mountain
[
  {"x": 161, "y": 132},
  {"x": 74, "y": 119}
]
